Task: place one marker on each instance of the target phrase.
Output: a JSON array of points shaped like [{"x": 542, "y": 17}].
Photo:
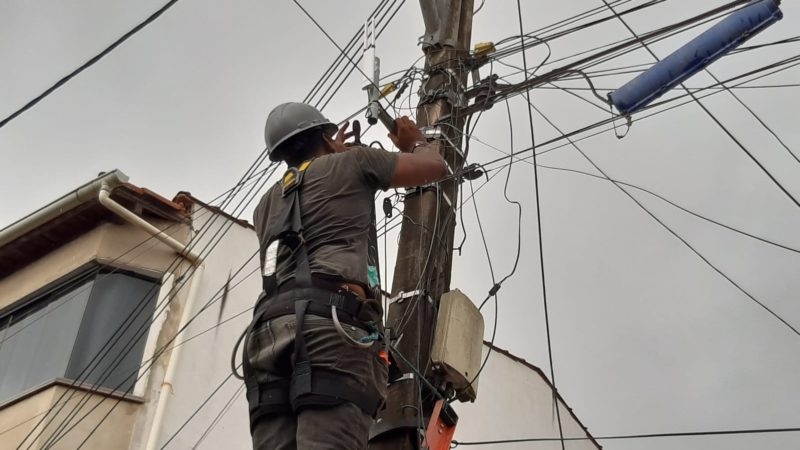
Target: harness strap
[
  {"x": 292, "y": 233},
  {"x": 330, "y": 389},
  {"x": 306, "y": 387},
  {"x": 272, "y": 398},
  {"x": 283, "y": 303},
  {"x": 301, "y": 374}
]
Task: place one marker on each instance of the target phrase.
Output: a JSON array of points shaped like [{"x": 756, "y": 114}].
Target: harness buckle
[
  {"x": 291, "y": 181},
  {"x": 293, "y": 178}
]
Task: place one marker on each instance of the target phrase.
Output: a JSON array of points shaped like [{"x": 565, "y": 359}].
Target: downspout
[{"x": 104, "y": 196}]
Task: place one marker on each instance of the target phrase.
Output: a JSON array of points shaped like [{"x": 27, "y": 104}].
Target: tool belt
[{"x": 303, "y": 295}]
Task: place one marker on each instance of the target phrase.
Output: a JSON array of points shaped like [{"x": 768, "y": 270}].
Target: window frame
[{"x": 71, "y": 280}]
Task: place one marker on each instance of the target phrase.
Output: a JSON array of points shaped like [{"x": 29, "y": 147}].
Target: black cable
[
  {"x": 539, "y": 228},
  {"x": 339, "y": 58},
  {"x": 125, "y": 325},
  {"x": 88, "y": 63},
  {"x": 321, "y": 102},
  {"x": 112, "y": 344},
  {"x": 115, "y": 269},
  {"x": 712, "y": 116},
  {"x": 101, "y": 421},
  {"x": 141, "y": 331},
  {"x": 554, "y": 74},
  {"x": 523, "y": 47},
  {"x": 670, "y": 230},
  {"x": 674, "y": 204},
  {"x": 470, "y": 135},
  {"x": 380, "y": 32},
  {"x": 633, "y": 436},
  {"x": 220, "y": 415},
  {"x": 197, "y": 410},
  {"x": 755, "y": 116},
  {"x": 169, "y": 297},
  {"x": 317, "y": 24},
  {"x": 492, "y": 291},
  {"x": 795, "y": 61}
]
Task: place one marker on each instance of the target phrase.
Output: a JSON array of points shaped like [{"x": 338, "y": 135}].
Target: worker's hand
[
  {"x": 338, "y": 143},
  {"x": 406, "y": 135}
]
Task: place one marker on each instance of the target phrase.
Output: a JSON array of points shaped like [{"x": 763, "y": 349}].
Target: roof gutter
[
  {"x": 101, "y": 188},
  {"x": 104, "y": 196},
  {"x": 58, "y": 207}
]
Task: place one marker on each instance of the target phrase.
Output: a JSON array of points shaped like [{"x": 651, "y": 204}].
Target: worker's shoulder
[{"x": 344, "y": 160}]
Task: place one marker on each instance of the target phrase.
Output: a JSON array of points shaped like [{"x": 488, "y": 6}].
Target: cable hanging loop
[{"x": 363, "y": 343}]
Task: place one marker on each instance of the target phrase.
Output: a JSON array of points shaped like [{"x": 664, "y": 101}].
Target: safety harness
[{"x": 304, "y": 295}]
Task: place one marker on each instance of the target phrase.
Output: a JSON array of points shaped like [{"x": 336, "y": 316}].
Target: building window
[{"x": 59, "y": 333}]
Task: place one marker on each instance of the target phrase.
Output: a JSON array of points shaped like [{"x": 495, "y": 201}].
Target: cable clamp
[{"x": 402, "y": 296}]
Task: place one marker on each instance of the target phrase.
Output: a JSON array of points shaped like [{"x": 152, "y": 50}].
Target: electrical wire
[
  {"x": 538, "y": 226},
  {"x": 580, "y": 64},
  {"x": 787, "y": 63},
  {"x": 198, "y": 409},
  {"x": 683, "y": 240},
  {"x": 114, "y": 404},
  {"x": 326, "y": 76},
  {"x": 125, "y": 325},
  {"x": 332, "y": 41},
  {"x": 169, "y": 296},
  {"x": 88, "y": 63},
  {"x": 471, "y": 136},
  {"x": 674, "y": 204},
  {"x": 218, "y": 418},
  {"x": 715, "y": 119},
  {"x": 139, "y": 333},
  {"x": 457, "y": 443},
  {"x": 347, "y": 75}
]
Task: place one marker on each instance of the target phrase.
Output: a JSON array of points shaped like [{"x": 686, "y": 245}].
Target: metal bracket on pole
[
  {"x": 372, "y": 68},
  {"x": 441, "y": 427},
  {"x": 402, "y": 296}
]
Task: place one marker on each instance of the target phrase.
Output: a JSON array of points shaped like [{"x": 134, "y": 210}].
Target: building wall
[
  {"x": 515, "y": 402},
  {"x": 108, "y": 243},
  {"x": 118, "y": 245},
  {"x": 205, "y": 359},
  {"x": 514, "y": 399},
  {"x": 115, "y": 433}
]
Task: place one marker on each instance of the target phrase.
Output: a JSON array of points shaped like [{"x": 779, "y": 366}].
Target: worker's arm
[{"x": 416, "y": 164}]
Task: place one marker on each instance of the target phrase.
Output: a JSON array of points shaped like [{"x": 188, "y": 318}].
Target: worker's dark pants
[{"x": 345, "y": 426}]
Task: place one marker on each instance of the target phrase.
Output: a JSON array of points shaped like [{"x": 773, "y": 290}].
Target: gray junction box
[{"x": 458, "y": 343}]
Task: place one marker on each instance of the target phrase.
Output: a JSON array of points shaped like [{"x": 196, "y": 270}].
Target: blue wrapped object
[{"x": 696, "y": 55}]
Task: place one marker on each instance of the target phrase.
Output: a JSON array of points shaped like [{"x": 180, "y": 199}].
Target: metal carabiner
[{"x": 343, "y": 334}]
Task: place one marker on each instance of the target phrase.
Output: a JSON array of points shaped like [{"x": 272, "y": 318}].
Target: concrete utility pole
[{"x": 424, "y": 259}]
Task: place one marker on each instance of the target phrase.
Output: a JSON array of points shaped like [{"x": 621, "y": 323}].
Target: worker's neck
[{"x": 322, "y": 150}]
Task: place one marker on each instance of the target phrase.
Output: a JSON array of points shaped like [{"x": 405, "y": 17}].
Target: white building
[{"x": 122, "y": 339}]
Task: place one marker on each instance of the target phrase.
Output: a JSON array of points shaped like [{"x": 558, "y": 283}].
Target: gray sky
[{"x": 646, "y": 337}]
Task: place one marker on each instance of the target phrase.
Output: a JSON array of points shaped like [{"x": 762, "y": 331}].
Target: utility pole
[{"x": 424, "y": 259}]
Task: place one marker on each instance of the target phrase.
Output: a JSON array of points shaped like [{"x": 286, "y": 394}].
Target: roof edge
[
  {"x": 187, "y": 199},
  {"x": 525, "y": 363},
  {"x": 61, "y": 205}
]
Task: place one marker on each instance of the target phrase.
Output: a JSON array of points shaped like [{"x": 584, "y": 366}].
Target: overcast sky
[{"x": 646, "y": 337}]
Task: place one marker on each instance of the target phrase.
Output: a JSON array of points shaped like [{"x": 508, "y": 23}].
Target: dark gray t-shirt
[{"x": 337, "y": 203}]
